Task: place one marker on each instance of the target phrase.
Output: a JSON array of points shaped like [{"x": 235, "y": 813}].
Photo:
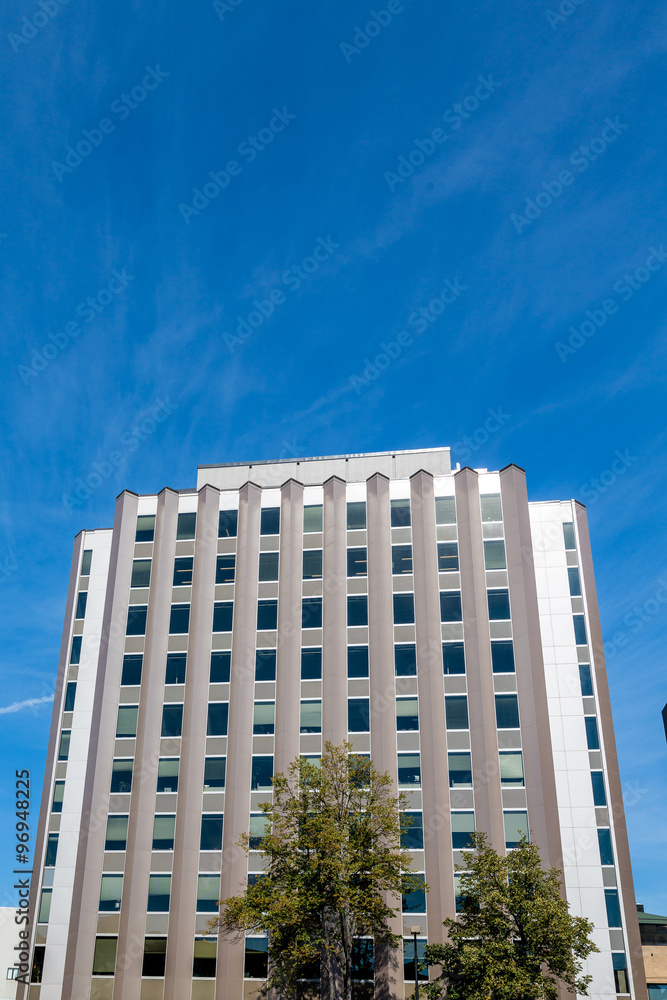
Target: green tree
[
  {"x": 514, "y": 938},
  {"x": 333, "y": 852}
]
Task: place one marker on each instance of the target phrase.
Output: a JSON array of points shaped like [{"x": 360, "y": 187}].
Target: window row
[
  {"x": 400, "y": 517},
  {"x": 498, "y": 603},
  {"x": 405, "y": 665},
  {"x": 312, "y": 568}
]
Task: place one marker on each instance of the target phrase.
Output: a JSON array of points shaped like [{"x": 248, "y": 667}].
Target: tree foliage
[
  {"x": 514, "y": 938},
  {"x": 332, "y": 854}
]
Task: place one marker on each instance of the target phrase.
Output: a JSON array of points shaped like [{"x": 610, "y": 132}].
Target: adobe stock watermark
[
  {"x": 625, "y": 288},
  {"x": 594, "y": 488},
  {"x": 419, "y": 320},
  {"x": 565, "y": 10},
  {"x": 222, "y": 7},
  {"x": 479, "y": 437},
  {"x": 31, "y": 26},
  {"x": 87, "y": 311},
  {"x": 378, "y": 20},
  {"x": 8, "y": 566},
  {"x": 121, "y": 107},
  {"x": 581, "y": 159},
  {"x": 249, "y": 149},
  {"x": 130, "y": 439},
  {"x": 454, "y": 116},
  {"x": 292, "y": 279},
  {"x": 637, "y": 619}
]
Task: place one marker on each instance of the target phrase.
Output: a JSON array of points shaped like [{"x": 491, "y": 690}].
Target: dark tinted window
[
  {"x": 179, "y": 619},
  {"x": 499, "y": 605},
  {"x": 415, "y": 902},
  {"x": 453, "y": 658},
  {"x": 357, "y": 562},
  {"x": 356, "y": 514},
  {"x": 311, "y": 664},
  {"x": 270, "y": 521},
  {"x": 172, "y": 720},
  {"x": 218, "y": 716},
  {"x": 400, "y": 513},
  {"x": 502, "y": 657},
  {"x": 265, "y": 665},
  {"x": 268, "y": 566},
  {"x": 448, "y": 556},
  {"x": 404, "y": 609},
  {"x": 145, "y": 528},
  {"x": 183, "y": 571},
  {"x": 132, "y": 663},
  {"x": 220, "y": 666},
  {"x": 586, "y": 680},
  {"x": 599, "y": 794},
  {"x": 357, "y": 610},
  {"x": 70, "y": 695},
  {"x": 456, "y": 711},
  {"x": 507, "y": 711},
  {"x": 185, "y": 526},
  {"x": 214, "y": 772},
  {"x": 121, "y": 776},
  {"x": 225, "y": 569},
  {"x": 579, "y": 630},
  {"x": 136, "y": 620},
  {"x": 81, "y": 602},
  {"x": 358, "y": 715},
  {"x": 175, "y": 673},
  {"x": 311, "y": 612},
  {"x": 141, "y": 573},
  {"x": 401, "y": 559},
  {"x": 223, "y": 614},
  {"x": 227, "y": 523},
  {"x": 312, "y": 564},
  {"x": 267, "y": 615},
  {"x": 405, "y": 660},
  {"x": 86, "y": 559},
  {"x": 412, "y": 834},
  {"x": 211, "y": 832},
  {"x": 155, "y": 957},
  {"x": 450, "y": 606},
  {"x": 261, "y": 774},
  {"x": 357, "y": 661}
]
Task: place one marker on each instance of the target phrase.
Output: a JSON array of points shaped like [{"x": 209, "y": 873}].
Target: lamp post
[{"x": 415, "y": 931}]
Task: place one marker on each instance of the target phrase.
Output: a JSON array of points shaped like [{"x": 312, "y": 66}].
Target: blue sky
[{"x": 534, "y": 199}]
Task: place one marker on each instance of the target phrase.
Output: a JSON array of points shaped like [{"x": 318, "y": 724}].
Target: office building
[
  {"x": 438, "y": 620},
  {"x": 653, "y": 933}
]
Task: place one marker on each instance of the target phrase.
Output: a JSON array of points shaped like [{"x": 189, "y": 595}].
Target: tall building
[{"x": 436, "y": 619}]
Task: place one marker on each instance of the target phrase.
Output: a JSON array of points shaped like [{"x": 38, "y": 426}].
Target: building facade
[
  {"x": 653, "y": 933},
  {"x": 436, "y": 619}
]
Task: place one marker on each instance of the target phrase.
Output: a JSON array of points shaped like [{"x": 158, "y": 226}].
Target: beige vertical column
[
  {"x": 183, "y": 905},
  {"x": 229, "y": 982},
  {"x": 432, "y": 727},
  {"x": 288, "y": 667},
  {"x": 531, "y": 683},
  {"x": 388, "y": 969},
  {"x": 481, "y": 701},
  {"x": 127, "y": 985},
  {"x": 620, "y": 833},
  {"x": 87, "y": 879},
  {"x": 334, "y": 619}
]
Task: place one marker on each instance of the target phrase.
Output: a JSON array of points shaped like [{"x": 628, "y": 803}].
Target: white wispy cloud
[{"x": 20, "y": 706}]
